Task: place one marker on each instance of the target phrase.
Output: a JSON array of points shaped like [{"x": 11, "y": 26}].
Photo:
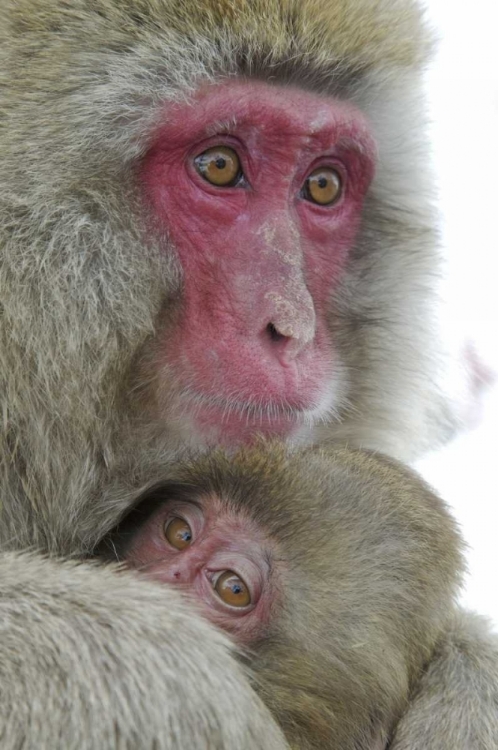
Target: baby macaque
[{"x": 335, "y": 570}]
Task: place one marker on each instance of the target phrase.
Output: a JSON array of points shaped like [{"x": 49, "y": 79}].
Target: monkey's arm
[
  {"x": 456, "y": 703},
  {"x": 91, "y": 659}
]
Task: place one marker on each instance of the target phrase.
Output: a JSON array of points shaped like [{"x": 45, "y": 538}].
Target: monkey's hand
[
  {"x": 455, "y": 706},
  {"x": 95, "y": 659}
]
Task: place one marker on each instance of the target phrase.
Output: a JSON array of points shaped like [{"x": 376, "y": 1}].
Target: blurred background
[{"x": 463, "y": 92}]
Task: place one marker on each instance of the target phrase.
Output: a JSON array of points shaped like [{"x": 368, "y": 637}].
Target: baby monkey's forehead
[{"x": 307, "y": 494}]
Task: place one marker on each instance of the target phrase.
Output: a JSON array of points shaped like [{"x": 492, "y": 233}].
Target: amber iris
[
  {"x": 219, "y": 165},
  {"x": 324, "y": 186},
  {"x": 178, "y": 533},
  {"x": 232, "y": 590}
]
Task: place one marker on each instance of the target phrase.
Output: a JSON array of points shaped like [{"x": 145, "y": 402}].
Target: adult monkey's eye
[
  {"x": 232, "y": 589},
  {"x": 323, "y": 186},
  {"x": 178, "y": 533},
  {"x": 220, "y": 166}
]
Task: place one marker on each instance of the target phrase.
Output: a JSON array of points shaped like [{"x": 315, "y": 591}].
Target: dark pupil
[
  {"x": 220, "y": 162},
  {"x": 236, "y": 588},
  {"x": 322, "y": 182},
  {"x": 186, "y": 536}
]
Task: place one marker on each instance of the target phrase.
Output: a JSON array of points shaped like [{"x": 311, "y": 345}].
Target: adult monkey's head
[
  {"x": 261, "y": 188},
  {"x": 214, "y": 223}
]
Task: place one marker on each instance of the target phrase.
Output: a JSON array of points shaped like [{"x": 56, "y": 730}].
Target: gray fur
[
  {"x": 455, "y": 704},
  {"x": 84, "y": 291},
  {"x": 93, "y": 659}
]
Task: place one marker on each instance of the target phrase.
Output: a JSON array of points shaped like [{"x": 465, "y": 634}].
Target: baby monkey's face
[{"x": 219, "y": 556}]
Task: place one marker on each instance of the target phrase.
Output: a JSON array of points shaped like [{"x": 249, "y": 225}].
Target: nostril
[{"x": 274, "y": 334}]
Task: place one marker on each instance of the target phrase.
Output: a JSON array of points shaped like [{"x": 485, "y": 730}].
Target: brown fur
[
  {"x": 369, "y": 563},
  {"x": 366, "y": 648}
]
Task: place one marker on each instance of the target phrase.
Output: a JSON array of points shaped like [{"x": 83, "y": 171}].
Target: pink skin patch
[
  {"x": 220, "y": 541},
  {"x": 260, "y": 259}
]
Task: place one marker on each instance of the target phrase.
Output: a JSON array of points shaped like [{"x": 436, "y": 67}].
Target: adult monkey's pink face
[{"x": 261, "y": 191}]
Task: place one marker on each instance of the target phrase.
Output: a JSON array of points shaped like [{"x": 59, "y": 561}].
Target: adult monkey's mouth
[{"x": 240, "y": 419}]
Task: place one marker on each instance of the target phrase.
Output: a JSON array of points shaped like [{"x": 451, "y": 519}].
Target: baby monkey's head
[{"x": 335, "y": 569}]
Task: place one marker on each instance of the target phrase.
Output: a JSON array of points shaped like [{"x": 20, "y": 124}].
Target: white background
[{"x": 463, "y": 90}]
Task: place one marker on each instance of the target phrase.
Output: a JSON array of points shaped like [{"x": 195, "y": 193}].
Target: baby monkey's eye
[
  {"x": 220, "y": 166},
  {"x": 323, "y": 186},
  {"x": 178, "y": 533},
  {"x": 232, "y": 589}
]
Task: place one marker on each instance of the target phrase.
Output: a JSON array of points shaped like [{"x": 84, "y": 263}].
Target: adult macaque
[
  {"x": 214, "y": 222},
  {"x": 338, "y": 571}
]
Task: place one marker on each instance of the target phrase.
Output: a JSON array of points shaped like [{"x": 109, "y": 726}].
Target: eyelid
[
  {"x": 228, "y": 141},
  {"x": 191, "y": 513},
  {"x": 242, "y": 566},
  {"x": 328, "y": 162},
  {"x": 230, "y": 157},
  {"x": 254, "y": 592}
]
